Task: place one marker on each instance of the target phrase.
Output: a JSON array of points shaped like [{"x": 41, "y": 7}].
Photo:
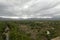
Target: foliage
[{"x": 37, "y": 29}]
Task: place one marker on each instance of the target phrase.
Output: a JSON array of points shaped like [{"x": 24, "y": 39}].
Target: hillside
[{"x": 29, "y": 30}]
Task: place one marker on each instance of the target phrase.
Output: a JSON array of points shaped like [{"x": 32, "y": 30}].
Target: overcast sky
[{"x": 30, "y": 8}]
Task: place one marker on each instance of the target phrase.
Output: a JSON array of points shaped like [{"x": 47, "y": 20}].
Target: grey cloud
[
  {"x": 4, "y": 11},
  {"x": 41, "y": 9},
  {"x": 38, "y": 8}
]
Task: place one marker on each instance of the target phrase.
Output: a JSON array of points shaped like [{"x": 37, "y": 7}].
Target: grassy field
[{"x": 30, "y": 30}]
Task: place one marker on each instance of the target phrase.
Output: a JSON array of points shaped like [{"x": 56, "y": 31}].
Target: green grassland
[{"x": 30, "y": 30}]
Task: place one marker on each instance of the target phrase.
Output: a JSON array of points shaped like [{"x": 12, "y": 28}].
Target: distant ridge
[{"x": 4, "y": 19}]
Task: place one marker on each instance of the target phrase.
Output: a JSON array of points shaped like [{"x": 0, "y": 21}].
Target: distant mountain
[{"x": 55, "y": 18}]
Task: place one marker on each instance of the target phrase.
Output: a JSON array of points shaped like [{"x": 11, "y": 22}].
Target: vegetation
[{"x": 30, "y": 30}]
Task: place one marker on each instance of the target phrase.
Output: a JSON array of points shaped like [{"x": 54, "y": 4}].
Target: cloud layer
[{"x": 30, "y": 8}]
